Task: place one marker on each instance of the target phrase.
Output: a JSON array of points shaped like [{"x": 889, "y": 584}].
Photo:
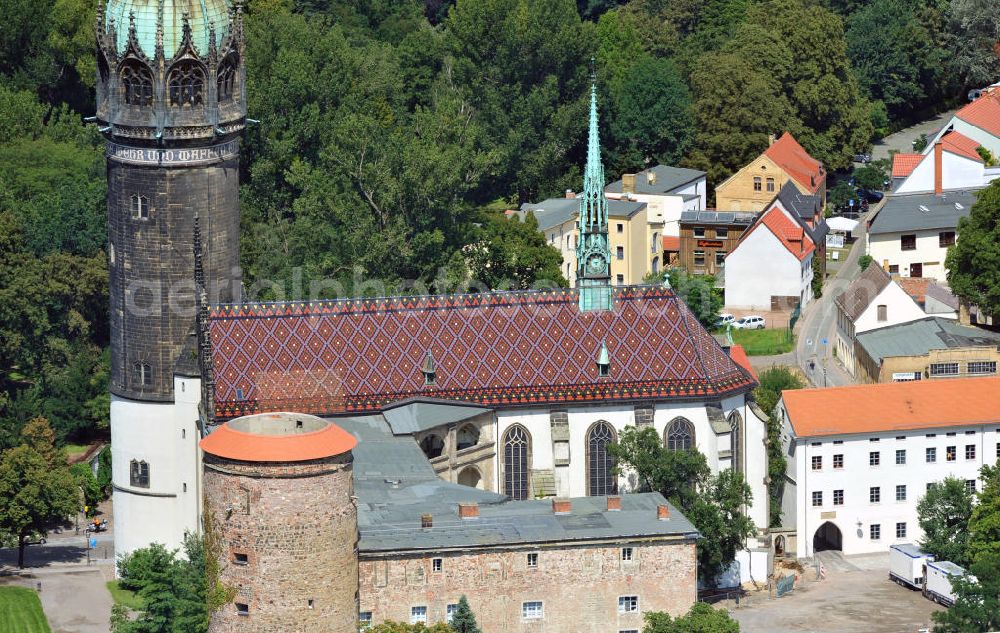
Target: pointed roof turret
[
  {"x": 593, "y": 253},
  {"x": 593, "y": 203}
]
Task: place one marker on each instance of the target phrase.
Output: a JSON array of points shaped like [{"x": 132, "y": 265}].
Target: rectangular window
[
  {"x": 770, "y": 184},
  {"x": 240, "y": 558},
  {"x": 950, "y": 453},
  {"x": 756, "y": 183},
  {"x": 699, "y": 231},
  {"x": 946, "y": 239},
  {"x": 620, "y": 228},
  {"x": 816, "y": 444},
  {"x": 418, "y": 615},
  {"x": 970, "y": 451},
  {"x": 699, "y": 258},
  {"x": 900, "y": 438},
  {"x": 930, "y": 486},
  {"x": 817, "y": 462},
  {"x": 883, "y": 313},
  {"x": 436, "y": 564},
  {"x": 450, "y": 612},
  {"x": 817, "y": 498},
  {"x": 901, "y": 492},
  {"x": 908, "y": 242},
  {"x": 627, "y": 554},
  {"x": 838, "y": 497},
  {"x": 875, "y": 494},
  {"x": 838, "y": 442},
  {"x": 893, "y": 269},
  {"x": 365, "y": 619},
  {"x": 982, "y": 367},
  {"x": 720, "y": 258},
  {"x": 970, "y": 432},
  {"x": 900, "y": 530},
  {"x": 533, "y": 559},
  {"x": 900, "y": 457},
  {"x": 931, "y": 455},
  {"x": 944, "y": 369},
  {"x": 998, "y": 450},
  {"x": 875, "y": 531},
  {"x": 533, "y": 610},
  {"x": 620, "y": 252},
  {"x": 872, "y": 439},
  {"x": 931, "y": 435},
  {"x": 970, "y": 485},
  {"x": 242, "y": 608},
  {"x": 721, "y": 233},
  {"x": 873, "y": 458},
  {"x": 139, "y": 474},
  {"x": 628, "y": 604},
  {"x": 838, "y": 461}
]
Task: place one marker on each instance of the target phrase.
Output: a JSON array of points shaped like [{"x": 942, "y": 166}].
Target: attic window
[
  {"x": 603, "y": 361},
  {"x": 429, "y": 370}
]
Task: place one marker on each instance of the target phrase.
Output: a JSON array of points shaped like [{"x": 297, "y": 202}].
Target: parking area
[{"x": 856, "y": 597}]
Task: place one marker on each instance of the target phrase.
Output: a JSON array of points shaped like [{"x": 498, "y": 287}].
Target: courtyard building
[
  {"x": 708, "y": 236},
  {"x": 753, "y": 187}
]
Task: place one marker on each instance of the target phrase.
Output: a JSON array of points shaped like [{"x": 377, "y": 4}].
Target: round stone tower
[
  {"x": 171, "y": 104},
  {"x": 281, "y": 521}
]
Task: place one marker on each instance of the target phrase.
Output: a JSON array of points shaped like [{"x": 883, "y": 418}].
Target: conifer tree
[{"x": 464, "y": 620}]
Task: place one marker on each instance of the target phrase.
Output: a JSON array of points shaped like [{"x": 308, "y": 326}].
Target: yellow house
[
  {"x": 634, "y": 241},
  {"x": 754, "y": 186}
]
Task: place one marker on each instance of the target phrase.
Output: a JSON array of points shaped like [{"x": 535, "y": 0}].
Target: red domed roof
[{"x": 272, "y": 446}]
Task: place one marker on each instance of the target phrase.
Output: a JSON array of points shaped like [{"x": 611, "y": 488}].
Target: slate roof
[
  {"x": 797, "y": 163},
  {"x": 917, "y": 338},
  {"x": 555, "y": 211},
  {"x": 943, "y": 295},
  {"x": 721, "y": 218},
  {"x": 667, "y": 179},
  {"x": 984, "y": 113},
  {"x": 804, "y": 207},
  {"x": 395, "y": 485},
  {"x": 914, "y": 212},
  {"x": 503, "y": 349},
  {"x": 862, "y": 291}
]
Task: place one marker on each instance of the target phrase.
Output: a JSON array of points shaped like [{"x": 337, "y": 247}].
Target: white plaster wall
[
  {"x": 980, "y": 135},
  {"x": 755, "y": 467},
  {"x": 957, "y": 172},
  {"x": 885, "y": 250},
  {"x": 900, "y": 308},
  {"x": 857, "y": 477},
  {"x": 165, "y": 435},
  {"x": 761, "y": 267}
]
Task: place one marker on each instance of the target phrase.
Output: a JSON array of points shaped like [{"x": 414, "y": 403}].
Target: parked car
[
  {"x": 862, "y": 158},
  {"x": 750, "y": 322},
  {"x": 725, "y": 319},
  {"x": 35, "y": 539},
  {"x": 870, "y": 195}
]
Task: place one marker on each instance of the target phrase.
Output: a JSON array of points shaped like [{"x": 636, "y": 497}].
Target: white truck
[
  {"x": 907, "y": 563},
  {"x": 938, "y": 582}
]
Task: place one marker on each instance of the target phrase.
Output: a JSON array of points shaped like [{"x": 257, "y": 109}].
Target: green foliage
[
  {"x": 764, "y": 342},
  {"x": 873, "y": 175},
  {"x": 988, "y": 158},
  {"x": 773, "y": 381},
  {"x": 697, "y": 291},
  {"x": 400, "y": 627},
  {"x": 865, "y": 261},
  {"x": 702, "y": 618},
  {"x": 464, "y": 620},
  {"x": 21, "y": 611},
  {"x": 838, "y": 195},
  {"x": 124, "y": 597},
  {"x": 512, "y": 254},
  {"x": 984, "y": 525},
  {"x": 974, "y": 31},
  {"x": 974, "y": 260},
  {"x": 817, "y": 280},
  {"x": 104, "y": 471},
  {"x": 920, "y": 143},
  {"x": 944, "y": 514},
  {"x": 977, "y": 603},
  {"x": 719, "y": 515},
  {"x": 84, "y": 478},
  {"x": 676, "y": 475}
]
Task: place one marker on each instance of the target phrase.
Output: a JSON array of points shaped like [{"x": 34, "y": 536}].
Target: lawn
[
  {"x": 124, "y": 596},
  {"x": 76, "y": 449},
  {"x": 21, "y": 611},
  {"x": 764, "y": 342}
]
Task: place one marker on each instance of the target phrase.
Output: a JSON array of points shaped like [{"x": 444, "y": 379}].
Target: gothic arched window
[
  {"x": 186, "y": 84},
  {"x": 736, "y": 426},
  {"x": 139, "y": 474},
  {"x": 679, "y": 435},
  {"x": 516, "y": 451},
  {"x": 137, "y": 82},
  {"x": 226, "y": 78},
  {"x": 140, "y": 207},
  {"x": 143, "y": 374},
  {"x": 601, "y": 479}
]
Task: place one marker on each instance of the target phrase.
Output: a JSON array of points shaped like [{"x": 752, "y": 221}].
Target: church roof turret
[
  {"x": 593, "y": 253},
  {"x": 169, "y": 20}
]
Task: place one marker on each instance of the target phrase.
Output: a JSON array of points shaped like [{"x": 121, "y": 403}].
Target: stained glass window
[{"x": 515, "y": 463}]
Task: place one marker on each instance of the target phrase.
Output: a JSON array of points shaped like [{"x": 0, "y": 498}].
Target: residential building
[
  {"x": 807, "y": 210},
  {"x": 771, "y": 266},
  {"x": 708, "y": 236},
  {"x": 911, "y": 233},
  {"x": 979, "y": 120},
  {"x": 754, "y": 187},
  {"x": 667, "y": 191},
  {"x": 933, "y": 298},
  {"x": 871, "y": 301},
  {"x": 927, "y": 349},
  {"x": 632, "y": 256},
  {"x": 952, "y": 162},
  {"x": 861, "y": 457}
]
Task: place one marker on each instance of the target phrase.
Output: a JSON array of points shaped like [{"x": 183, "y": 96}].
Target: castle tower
[
  {"x": 593, "y": 253},
  {"x": 171, "y": 103},
  {"x": 280, "y": 521}
]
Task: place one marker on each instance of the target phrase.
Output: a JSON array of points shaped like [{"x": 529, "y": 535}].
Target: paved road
[{"x": 902, "y": 141}]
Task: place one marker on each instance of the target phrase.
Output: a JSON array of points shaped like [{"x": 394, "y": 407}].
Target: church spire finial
[{"x": 593, "y": 255}]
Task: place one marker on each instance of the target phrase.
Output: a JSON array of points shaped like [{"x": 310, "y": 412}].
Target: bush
[{"x": 865, "y": 261}]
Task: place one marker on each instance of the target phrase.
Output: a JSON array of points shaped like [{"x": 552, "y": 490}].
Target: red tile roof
[
  {"x": 962, "y": 145},
  {"x": 904, "y": 164},
  {"x": 893, "y": 406},
  {"x": 671, "y": 243},
  {"x": 805, "y": 170},
  {"x": 500, "y": 349},
  {"x": 227, "y": 442},
  {"x": 791, "y": 234},
  {"x": 916, "y": 287},
  {"x": 984, "y": 113},
  {"x": 739, "y": 356}
]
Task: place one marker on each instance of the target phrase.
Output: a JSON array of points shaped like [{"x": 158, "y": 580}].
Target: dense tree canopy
[
  {"x": 944, "y": 514},
  {"x": 973, "y": 263}
]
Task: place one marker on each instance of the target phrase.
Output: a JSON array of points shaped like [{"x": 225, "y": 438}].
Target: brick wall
[
  {"x": 297, "y": 526},
  {"x": 579, "y": 586}
]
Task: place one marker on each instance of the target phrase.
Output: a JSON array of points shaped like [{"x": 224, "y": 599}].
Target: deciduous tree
[
  {"x": 974, "y": 260},
  {"x": 702, "y": 618},
  {"x": 977, "y": 602},
  {"x": 944, "y": 514}
]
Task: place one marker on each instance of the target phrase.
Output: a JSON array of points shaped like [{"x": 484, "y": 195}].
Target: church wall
[
  {"x": 165, "y": 436},
  {"x": 496, "y": 582}
]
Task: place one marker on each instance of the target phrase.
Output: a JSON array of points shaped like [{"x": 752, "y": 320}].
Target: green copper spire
[{"x": 593, "y": 255}]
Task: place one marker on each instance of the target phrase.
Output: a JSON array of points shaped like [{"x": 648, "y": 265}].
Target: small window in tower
[
  {"x": 240, "y": 558},
  {"x": 185, "y": 487},
  {"x": 142, "y": 374},
  {"x": 140, "y": 207},
  {"x": 226, "y": 78},
  {"x": 310, "y": 603},
  {"x": 139, "y": 474},
  {"x": 137, "y": 83},
  {"x": 242, "y": 608},
  {"x": 436, "y": 564},
  {"x": 186, "y": 84}
]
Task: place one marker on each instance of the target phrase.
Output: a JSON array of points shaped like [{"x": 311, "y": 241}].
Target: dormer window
[
  {"x": 429, "y": 370},
  {"x": 603, "y": 362}
]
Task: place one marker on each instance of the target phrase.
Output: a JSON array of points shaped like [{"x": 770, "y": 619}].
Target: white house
[
  {"x": 771, "y": 266},
  {"x": 911, "y": 234},
  {"x": 667, "y": 191},
  {"x": 861, "y": 457},
  {"x": 979, "y": 120},
  {"x": 872, "y": 301},
  {"x": 952, "y": 162}
]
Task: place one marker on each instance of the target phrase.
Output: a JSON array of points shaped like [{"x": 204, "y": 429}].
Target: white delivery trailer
[
  {"x": 938, "y": 582},
  {"x": 907, "y": 563}
]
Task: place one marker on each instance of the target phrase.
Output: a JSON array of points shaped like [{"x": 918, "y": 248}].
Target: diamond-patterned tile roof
[{"x": 500, "y": 349}]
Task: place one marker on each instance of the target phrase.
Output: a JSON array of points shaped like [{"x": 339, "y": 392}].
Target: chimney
[
  {"x": 468, "y": 510},
  {"x": 562, "y": 506},
  {"x": 426, "y": 521},
  {"x": 663, "y": 512},
  {"x": 771, "y": 139},
  {"x": 628, "y": 183},
  {"x": 937, "y": 168},
  {"x": 651, "y": 177},
  {"x": 569, "y": 194},
  {"x": 614, "y": 503}
]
